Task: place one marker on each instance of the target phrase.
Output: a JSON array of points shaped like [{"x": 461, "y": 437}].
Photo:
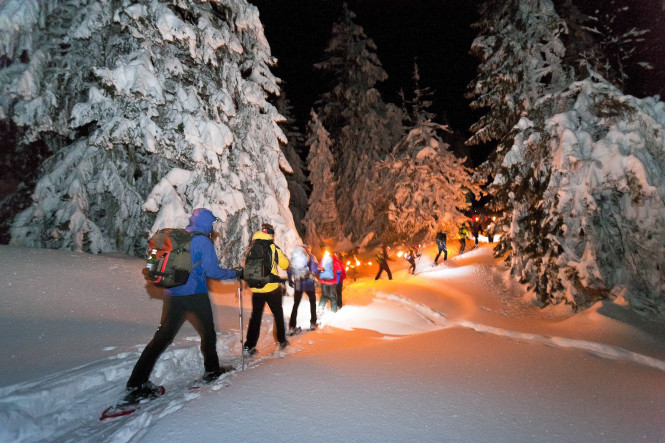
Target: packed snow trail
[
  {"x": 65, "y": 405},
  {"x": 379, "y": 316}
]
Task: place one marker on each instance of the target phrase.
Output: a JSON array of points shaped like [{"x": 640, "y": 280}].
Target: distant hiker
[
  {"x": 476, "y": 228},
  {"x": 416, "y": 250},
  {"x": 330, "y": 267},
  {"x": 266, "y": 289},
  {"x": 462, "y": 234},
  {"x": 341, "y": 275},
  {"x": 382, "y": 259},
  {"x": 441, "y": 239},
  {"x": 489, "y": 231},
  {"x": 353, "y": 263},
  {"x": 302, "y": 277},
  {"x": 190, "y": 301},
  {"x": 410, "y": 256}
]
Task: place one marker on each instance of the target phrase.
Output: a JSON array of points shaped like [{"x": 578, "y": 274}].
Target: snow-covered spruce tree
[
  {"x": 163, "y": 106},
  {"x": 602, "y": 41},
  {"x": 430, "y": 186},
  {"x": 362, "y": 126},
  {"x": 47, "y": 72},
  {"x": 520, "y": 49},
  {"x": 322, "y": 224},
  {"x": 296, "y": 180},
  {"x": 585, "y": 189}
]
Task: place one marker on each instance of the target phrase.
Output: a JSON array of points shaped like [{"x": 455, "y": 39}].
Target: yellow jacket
[{"x": 282, "y": 262}]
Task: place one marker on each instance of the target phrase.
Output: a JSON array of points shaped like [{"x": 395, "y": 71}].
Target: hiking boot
[
  {"x": 147, "y": 390},
  {"x": 312, "y": 327},
  {"x": 283, "y": 345},
  {"x": 292, "y": 330},
  {"x": 249, "y": 352},
  {"x": 210, "y": 376}
]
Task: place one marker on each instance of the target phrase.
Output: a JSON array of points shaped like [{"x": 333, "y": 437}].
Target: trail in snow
[
  {"x": 65, "y": 406},
  {"x": 380, "y": 316},
  {"x": 69, "y": 403}
]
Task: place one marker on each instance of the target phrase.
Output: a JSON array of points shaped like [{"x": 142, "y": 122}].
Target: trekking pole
[{"x": 242, "y": 353}]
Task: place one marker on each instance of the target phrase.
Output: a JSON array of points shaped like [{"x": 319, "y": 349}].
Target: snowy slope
[{"x": 455, "y": 353}]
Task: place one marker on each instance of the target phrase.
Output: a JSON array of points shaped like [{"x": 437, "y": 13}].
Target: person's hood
[
  {"x": 262, "y": 236},
  {"x": 201, "y": 220}
]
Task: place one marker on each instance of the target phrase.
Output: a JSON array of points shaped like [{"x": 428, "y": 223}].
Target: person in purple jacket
[{"x": 191, "y": 300}]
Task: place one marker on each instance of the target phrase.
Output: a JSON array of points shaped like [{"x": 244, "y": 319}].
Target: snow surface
[{"x": 456, "y": 353}]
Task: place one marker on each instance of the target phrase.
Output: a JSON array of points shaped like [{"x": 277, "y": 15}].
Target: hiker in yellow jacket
[{"x": 267, "y": 289}]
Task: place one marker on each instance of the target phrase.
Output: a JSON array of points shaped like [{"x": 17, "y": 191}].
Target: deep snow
[{"x": 456, "y": 353}]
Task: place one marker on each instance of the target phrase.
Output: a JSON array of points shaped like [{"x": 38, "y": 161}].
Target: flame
[
  {"x": 357, "y": 262},
  {"x": 493, "y": 218},
  {"x": 400, "y": 253},
  {"x": 347, "y": 268},
  {"x": 326, "y": 253},
  {"x": 348, "y": 263},
  {"x": 369, "y": 262}
]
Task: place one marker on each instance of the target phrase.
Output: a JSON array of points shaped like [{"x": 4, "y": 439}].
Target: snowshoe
[
  {"x": 214, "y": 375},
  {"x": 133, "y": 399},
  {"x": 210, "y": 377}
]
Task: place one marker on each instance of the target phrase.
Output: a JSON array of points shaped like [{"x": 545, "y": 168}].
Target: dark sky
[{"x": 436, "y": 32}]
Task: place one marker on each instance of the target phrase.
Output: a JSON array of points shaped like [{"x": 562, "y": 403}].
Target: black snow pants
[
  {"x": 383, "y": 266},
  {"x": 297, "y": 296},
  {"x": 174, "y": 311},
  {"x": 259, "y": 300}
]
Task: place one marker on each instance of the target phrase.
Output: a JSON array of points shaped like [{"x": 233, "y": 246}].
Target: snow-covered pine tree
[
  {"x": 416, "y": 109},
  {"x": 585, "y": 193},
  {"x": 362, "y": 126},
  {"x": 602, "y": 40},
  {"x": 160, "y": 107},
  {"x": 431, "y": 186},
  {"x": 48, "y": 71},
  {"x": 322, "y": 224},
  {"x": 520, "y": 49},
  {"x": 297, "y": 180}
]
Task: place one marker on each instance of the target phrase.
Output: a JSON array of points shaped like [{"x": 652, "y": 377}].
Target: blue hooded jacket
[{"x": 203, "y": 254}]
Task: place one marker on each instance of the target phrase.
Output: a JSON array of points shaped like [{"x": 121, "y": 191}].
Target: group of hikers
[
  {"x": 191, "y": 300},
  {"x": 473, "y": 228},
  {"x": 303, "y": 274}
]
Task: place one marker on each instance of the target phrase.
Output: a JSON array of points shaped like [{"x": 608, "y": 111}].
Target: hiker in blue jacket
[{"x": 189, "y": 299}]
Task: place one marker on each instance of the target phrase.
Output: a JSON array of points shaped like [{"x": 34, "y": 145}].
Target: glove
[{"x": 239, "y": 272}]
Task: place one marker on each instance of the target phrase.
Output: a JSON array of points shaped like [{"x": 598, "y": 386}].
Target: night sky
[{"x": 436, "y": 32}]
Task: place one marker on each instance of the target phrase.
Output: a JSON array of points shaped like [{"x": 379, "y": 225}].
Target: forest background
[{"x": 176, "y": 108}]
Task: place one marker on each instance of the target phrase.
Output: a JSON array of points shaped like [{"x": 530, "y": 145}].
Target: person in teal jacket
[{"x": 189, "y": 299}]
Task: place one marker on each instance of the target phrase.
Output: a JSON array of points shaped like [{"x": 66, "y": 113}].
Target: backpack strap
[{"x": 274, "y": 278}]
